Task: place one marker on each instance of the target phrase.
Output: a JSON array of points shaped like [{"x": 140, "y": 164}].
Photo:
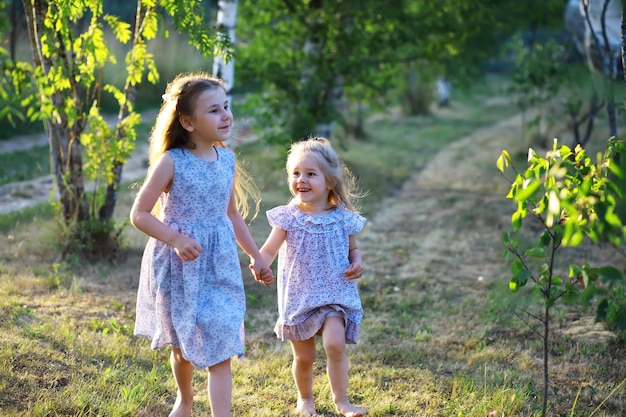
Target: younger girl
[
  {"x": 317, "y": 266},
  {"x": 191, "y": 293}
]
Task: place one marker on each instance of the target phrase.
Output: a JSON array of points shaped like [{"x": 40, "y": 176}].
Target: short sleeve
[
  {"x": 279, "y": 217},
  {"x": 353, "y": 222}
]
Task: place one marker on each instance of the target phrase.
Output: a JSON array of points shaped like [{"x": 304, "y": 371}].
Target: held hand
[
  {"x": 186, "y": 248},
  {"x": 354, "y": 271},
  {"x": 262, "y": 272}
]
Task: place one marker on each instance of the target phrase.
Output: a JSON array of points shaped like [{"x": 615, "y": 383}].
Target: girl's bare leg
[
  {"x": 302, "y": 370},
  {"x": 334, "y": 338},
  {"x": 183, "y": 372},
  {"x": 220, "y": 388}
]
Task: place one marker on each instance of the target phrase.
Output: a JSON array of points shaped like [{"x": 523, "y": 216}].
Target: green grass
[
  {"x": 11, "y": 221},
  {"x": 24, "y": 165},
  {"x": 67, "y": 349}
]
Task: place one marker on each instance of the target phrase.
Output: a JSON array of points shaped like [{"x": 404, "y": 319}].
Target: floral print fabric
[
  {"x": 311, "y": 265},
  {"x": 197, "y": 306}
]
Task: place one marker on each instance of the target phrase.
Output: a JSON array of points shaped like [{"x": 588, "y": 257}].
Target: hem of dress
[
  {"x": 312, "y": 326},
  {"x": 239, "y": 355}
]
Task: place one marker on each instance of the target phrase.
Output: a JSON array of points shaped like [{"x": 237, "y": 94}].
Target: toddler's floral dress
[{"x": 311, "y": 283}]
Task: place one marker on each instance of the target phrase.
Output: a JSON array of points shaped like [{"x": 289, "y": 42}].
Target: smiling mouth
[{"x": 303, "y": 190}]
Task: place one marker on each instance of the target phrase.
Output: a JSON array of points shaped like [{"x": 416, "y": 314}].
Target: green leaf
[
  {"x": 574, "y": 270},
  {"x": 517, "y": 266},
  {"x": 516, "y": 219},
  {"x": 121, "y": 30},
  {"x": 514, "y": 284},
  {"x": 545, "y": 239},
  {"x": 611, "y": 274},
  {"x": 504, "y": 160},
  {"x": 523, "y": 277},
  {"x": 535, "y": 252},
  {"x": 571, "y": 294},
  {"x": 528, "y": 190},
  {"x": 602, "y": 310}
]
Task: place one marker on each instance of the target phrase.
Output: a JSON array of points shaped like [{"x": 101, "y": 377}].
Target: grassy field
[{"x": 67, "y": 349}]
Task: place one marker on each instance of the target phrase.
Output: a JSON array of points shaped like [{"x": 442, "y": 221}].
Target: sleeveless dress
[
  {"x": 311, "y": 283},
  {"x": 197, "y": 306}
]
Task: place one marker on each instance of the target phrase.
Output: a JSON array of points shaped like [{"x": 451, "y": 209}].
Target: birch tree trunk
[
  {"x": 226, "y": 21},
  {"x": 225, "y": 68}
]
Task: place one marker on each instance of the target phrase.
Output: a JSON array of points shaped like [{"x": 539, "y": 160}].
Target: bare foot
[
  {"x": 181, "y": 408},
  {"x": 348, "y": 410},
  {"x": 306, "y": 407}
]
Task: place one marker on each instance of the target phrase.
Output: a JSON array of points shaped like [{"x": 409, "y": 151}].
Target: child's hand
[
  {"x": 262, "y": 272},
  {"x": 266, "y": 276},
  {"x": 186, "y": 248},
  {"x": 354, "y": 271}
]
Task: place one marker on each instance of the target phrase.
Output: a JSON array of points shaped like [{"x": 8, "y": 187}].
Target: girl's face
[
  {"x": 308, "y": 184},
  {"x": 211, "y": 120}
]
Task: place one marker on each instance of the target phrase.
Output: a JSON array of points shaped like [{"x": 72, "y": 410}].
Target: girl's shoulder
[
  {"x": 352, "y": 221},
  {"x": 292, "y": 217},
  {"x": 281, "y": 216}
]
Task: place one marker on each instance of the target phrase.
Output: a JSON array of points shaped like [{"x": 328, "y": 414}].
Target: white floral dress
[
  {"x": 197, "y": 306},
  {"x": 311, "y": 265}
]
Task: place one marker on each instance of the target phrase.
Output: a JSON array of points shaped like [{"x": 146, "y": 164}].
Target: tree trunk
[
  {"x": 624, "y": 47},
  {"x": 64, "y": 140},
  {"x": 226, "y": 22},
  {"x": 13, "y": 35},
  {"x": 225, "y": 68}
]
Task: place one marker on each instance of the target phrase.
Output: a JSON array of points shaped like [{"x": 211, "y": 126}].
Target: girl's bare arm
[
  {"x": 272, "y": 244},
  {"x": 158, "y": 180},
  {"x": 259, "y": 267},
  {"x": 355, "y": 270}
]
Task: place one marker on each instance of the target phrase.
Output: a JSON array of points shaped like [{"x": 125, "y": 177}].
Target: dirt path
[
  {"x": 442, "y": 222},
  {"x": 442, "y": 233}
]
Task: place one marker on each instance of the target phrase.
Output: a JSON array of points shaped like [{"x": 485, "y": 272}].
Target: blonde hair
[
  {"x": 339, "y": 178},
  {"x": 179, "y": 100}
]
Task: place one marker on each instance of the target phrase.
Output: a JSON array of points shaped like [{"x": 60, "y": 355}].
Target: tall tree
[{"x": 67, "y": 41}]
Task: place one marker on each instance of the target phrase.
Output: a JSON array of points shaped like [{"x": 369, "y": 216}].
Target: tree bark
[
  {"x": 225, "y": 68},
  {"x": 226, "y": 22}
]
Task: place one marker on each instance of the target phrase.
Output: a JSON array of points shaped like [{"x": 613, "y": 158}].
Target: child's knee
[
  {"x": 334, "y": 347},
  {"x": 304, "y": 358}
]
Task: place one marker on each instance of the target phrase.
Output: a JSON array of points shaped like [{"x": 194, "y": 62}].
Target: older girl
[{"x": 191, "y": 293}]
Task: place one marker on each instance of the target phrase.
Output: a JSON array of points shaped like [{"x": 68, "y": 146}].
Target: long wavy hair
[
  {"x": 342, "y": 183},
  {"x": 180, "y": 100}
]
